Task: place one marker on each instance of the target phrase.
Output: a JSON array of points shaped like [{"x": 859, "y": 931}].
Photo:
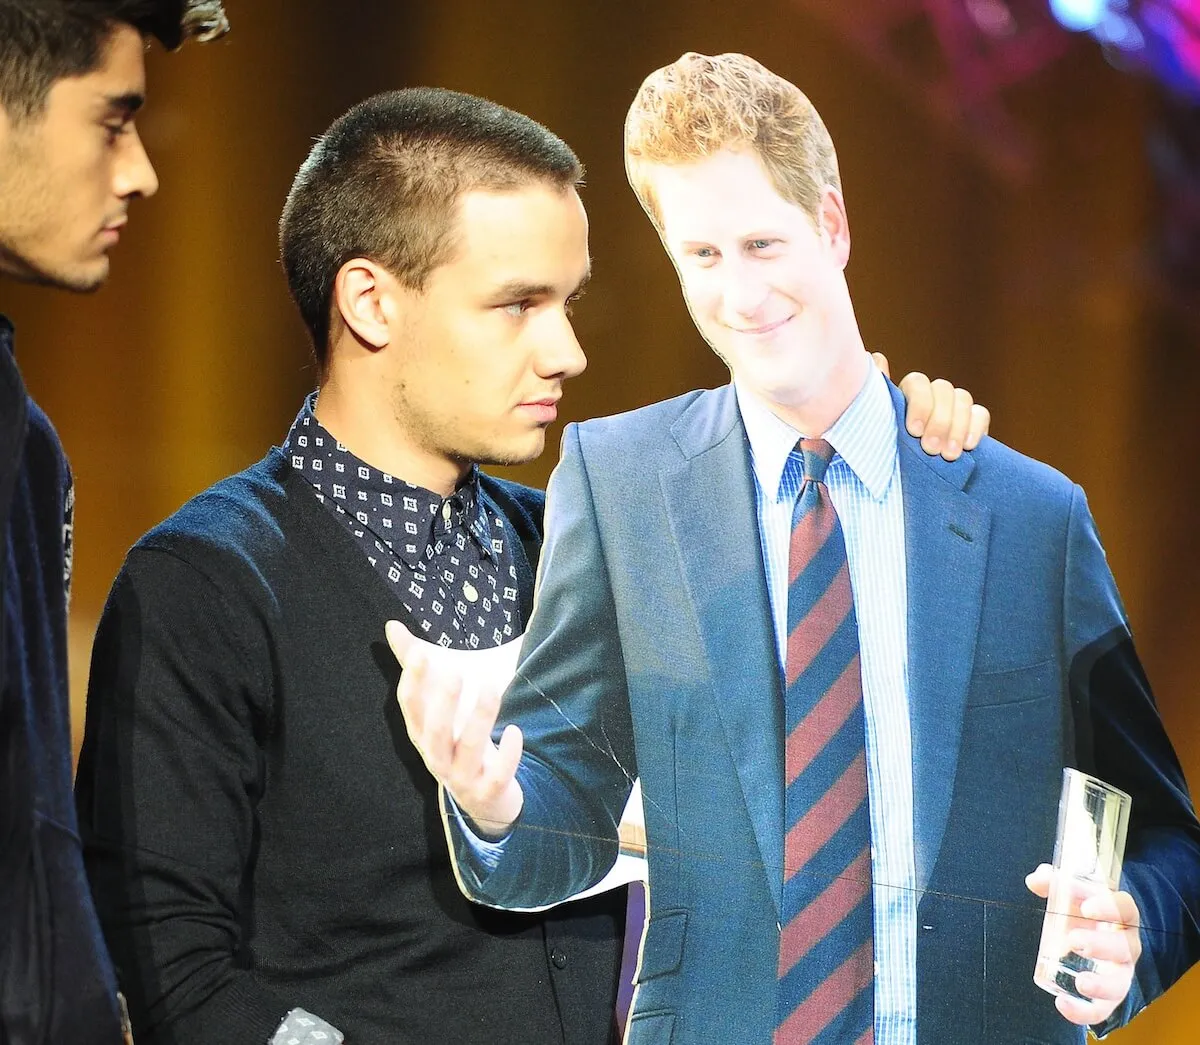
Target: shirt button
[
  {"x": 559, "y": 958},
  {"x": 470, "y": 592},
  {"x": 446, "y": 511}
]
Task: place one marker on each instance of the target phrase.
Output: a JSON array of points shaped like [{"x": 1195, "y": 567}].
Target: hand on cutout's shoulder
[{"x": 946, "y": 419}]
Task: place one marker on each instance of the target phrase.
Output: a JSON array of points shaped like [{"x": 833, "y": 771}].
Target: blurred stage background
[{"x": 1026, "y": 219}]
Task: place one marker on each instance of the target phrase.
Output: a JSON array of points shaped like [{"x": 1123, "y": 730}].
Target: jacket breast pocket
[{"x": 1015, "y": 685}]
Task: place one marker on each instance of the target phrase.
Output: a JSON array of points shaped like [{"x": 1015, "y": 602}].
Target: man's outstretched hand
[
  {"x": 450, "y": 700},
  {"x": 946, "y": 419}
]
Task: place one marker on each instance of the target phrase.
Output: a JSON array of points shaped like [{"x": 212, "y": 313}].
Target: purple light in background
[
  {"x": 1159, "y": 36},
  {"x": 1172, "y": 31}
]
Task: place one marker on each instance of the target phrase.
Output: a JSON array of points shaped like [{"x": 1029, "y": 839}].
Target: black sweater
[
  {"x": 55, "y": 981},
  {"x": 259, "y": 831}
]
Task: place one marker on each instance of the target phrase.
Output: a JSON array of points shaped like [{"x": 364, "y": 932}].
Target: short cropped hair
[
  {"x": 384, "y": 183},
  {"x": 699, "y": 105},
  {"x": 42, "y": 41}
]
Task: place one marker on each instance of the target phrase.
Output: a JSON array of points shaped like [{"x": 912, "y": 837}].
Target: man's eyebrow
[
  {"x": 518, "y": 288},
  {"x": 126, "y": 104}
]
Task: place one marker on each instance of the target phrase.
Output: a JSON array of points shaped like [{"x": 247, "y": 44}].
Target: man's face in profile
[
  {"x": 763, "y": 282},
  {"x": 69, "y": 172},
  {"x": 487, "y": 342}
]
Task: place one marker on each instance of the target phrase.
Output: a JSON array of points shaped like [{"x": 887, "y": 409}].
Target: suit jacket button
[{"x": 559, "y": 958}]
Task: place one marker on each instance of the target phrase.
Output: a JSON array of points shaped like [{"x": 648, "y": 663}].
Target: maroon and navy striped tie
[{"x": 826, "y": 959}]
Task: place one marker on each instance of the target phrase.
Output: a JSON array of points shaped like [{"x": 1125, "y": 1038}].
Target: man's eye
[
  {"x": 704, "y": 253},
  {"x": 115, "y": 130},
  {"x": 760, "y": 244},
  {"x": 518, "y": 308}
]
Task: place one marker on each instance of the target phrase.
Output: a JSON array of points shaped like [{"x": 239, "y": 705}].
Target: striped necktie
[{"x": 826, "y": 960}]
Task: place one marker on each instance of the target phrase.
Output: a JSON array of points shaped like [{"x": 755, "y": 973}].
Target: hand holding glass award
[{"x": 1093, "y": 819}]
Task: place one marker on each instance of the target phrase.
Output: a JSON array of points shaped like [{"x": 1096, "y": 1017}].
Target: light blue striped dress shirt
[{"x": 864, "y": 484}]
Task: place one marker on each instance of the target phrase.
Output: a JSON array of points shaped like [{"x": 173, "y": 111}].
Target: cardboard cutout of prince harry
[{"x": 848, "y": 675}]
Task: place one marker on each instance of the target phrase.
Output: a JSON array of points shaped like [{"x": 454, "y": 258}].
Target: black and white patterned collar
[{"x": 413, "y": 523}]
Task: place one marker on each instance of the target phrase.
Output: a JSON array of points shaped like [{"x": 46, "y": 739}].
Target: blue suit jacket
[{"x": 651, "y": 654}]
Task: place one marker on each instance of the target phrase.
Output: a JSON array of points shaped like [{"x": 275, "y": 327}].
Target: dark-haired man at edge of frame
[
  {"x": 849, "y": 670},
  {"x": 260, "y": 835},
  {"x": 72, "y": 79}
]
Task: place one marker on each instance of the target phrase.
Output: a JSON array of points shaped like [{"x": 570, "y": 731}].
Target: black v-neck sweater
[{"x": 260, "y": 833}]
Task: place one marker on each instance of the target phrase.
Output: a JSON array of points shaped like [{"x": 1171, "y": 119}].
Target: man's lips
[
  {"x": 544, "y": 411},
  {"x": 112, "y": 231},
  {"x": 766, "y": 328}
]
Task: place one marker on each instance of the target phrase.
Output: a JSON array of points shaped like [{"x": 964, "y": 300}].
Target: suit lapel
[
  {"x": 710, "y": 502},
  {"x": 946, "y": 534}
]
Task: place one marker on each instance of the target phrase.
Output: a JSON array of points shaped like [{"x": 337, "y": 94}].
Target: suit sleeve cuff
[{"x": 483, "y": 853}]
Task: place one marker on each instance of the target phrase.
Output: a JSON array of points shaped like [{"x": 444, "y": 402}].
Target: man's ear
[
  {"x": 833, "y": 224},
  {"x": 363, "y": 295}
]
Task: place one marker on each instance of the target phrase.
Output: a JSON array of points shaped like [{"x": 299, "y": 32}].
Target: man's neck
[
  {"x": 813, "y": 415},
  {"x": 367, "y": 429}
]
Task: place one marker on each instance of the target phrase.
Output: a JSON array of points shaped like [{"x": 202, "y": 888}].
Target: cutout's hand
[
  {"x": 946, "y": 419},
  {"x": 450, "y": 700},
  {"x": 1106, "y": 931}
]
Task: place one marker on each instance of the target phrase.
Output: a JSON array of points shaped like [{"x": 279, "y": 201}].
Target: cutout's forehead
[{"x": 728, "y": 193}]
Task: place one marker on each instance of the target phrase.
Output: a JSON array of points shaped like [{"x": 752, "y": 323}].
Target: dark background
[{"x": 1041, "y": 292}]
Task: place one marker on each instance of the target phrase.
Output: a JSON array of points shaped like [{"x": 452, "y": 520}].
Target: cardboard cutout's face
[
  {"x": 68, "y": 174},
  {"x": 764, "y": 285}
]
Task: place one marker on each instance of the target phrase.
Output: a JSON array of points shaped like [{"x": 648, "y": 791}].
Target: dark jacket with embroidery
[{"x": 56, "y": 984}]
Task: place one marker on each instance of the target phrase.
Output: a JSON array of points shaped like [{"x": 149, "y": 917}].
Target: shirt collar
[
  {"x": 465, "y": 508},
  {"x": 864, "y": 437}
]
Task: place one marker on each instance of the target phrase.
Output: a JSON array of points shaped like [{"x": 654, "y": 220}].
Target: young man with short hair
[
  {"x": 263, "y": 843},
  {"x": 71, "y": 82}
]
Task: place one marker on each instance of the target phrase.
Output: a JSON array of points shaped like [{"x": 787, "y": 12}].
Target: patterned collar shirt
[{"x": 448, "y": 559}]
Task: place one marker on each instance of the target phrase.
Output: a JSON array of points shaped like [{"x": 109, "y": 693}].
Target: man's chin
[
  {"x": 85, "y": 279},
  {"x": 79, "y": 278},
  {"x": 509, "y": 456}
]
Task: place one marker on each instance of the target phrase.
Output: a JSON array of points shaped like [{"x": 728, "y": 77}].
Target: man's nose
[
  {"x": 134, "y": 175},
  {"x": 560, "y": 355},
  {"x": 744, "y": 290}
]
